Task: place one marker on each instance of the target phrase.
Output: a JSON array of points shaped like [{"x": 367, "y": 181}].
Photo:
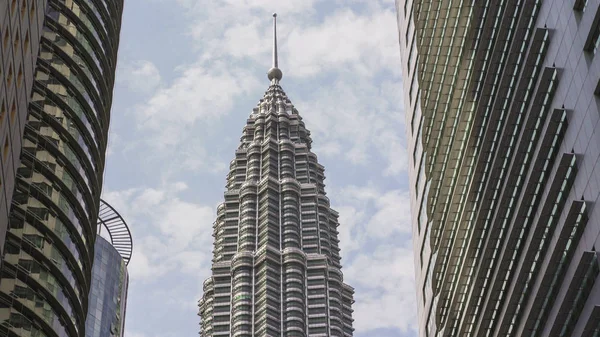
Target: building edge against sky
[
  {"x": 502, "y": 109},
  {"x": 110, "y": 280},
  {"x": 59, "y": 60},
  {"x": 276, "y": 267}
]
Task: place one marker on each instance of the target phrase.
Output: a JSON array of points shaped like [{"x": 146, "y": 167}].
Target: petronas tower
[{"x": 276, "y": 262}]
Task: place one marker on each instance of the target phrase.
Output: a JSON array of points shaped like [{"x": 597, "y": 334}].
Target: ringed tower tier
[{"x": 276, "y": 267}]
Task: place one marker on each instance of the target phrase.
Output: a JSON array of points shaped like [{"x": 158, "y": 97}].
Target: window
[
  {"x": 422, "y": 213},
  {"x": 418, "y": 143},
  {"x": 408, "y": 27},
  {"x": 420, "y": 176},
  {"x": 413, "y": 117},
  {"x": 32, "y": 10},
  {"x": 593, "y": 46},
  {"x": 2, "y": 111},
  {"x": 6, "y": 147},
  {"x": 16, "y": 42},
  {"x": 411, "y": 53},
  {"x": 20, "y": 77},
  {"x": 580, "y": 5},
  {"x": 9, "y": 77},
  {"x": 412, "y": 86},
  {"x": 13, "y": 112},
  {"x": 23, "y": 8},
  {"x": 6, "y": 38},
  {"x": 26, "y": 43},
  {"x": 593, "y": 40},
  {"x": 426, "y": 248}
]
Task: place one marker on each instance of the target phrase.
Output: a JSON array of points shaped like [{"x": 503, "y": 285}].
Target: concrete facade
[{"x": 502, "y": 123}]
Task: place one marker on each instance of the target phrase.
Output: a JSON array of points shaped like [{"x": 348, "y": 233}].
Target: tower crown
[{"x": 274, "y": 231}]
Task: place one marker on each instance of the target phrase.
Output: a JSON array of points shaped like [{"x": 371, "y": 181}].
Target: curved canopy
[{"x": 120, "y": 236}]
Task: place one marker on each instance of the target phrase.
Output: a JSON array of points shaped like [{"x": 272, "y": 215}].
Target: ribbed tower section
[
  {"x": 276, "y": 264},
  {"x": 503, "y": 105}
]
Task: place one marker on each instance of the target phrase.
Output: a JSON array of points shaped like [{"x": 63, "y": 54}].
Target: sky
[{"x": 189, "y": 74}]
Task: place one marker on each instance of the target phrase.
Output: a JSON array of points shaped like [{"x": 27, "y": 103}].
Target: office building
[
  {"x": 108, "y": 294},
  {"x": 46, "y": 270},
  {"x": 502, "y": 113},
  {"x": 20, "y": 31},
  {"x": 276, "y": 267}
]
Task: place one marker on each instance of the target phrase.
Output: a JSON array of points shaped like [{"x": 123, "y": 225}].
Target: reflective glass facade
[
  {"x": 504, "y": 130},
  {"x": 276, "y": 267},
  {"x": 20, "y": 29},
  {"x": 47, "y": 266},
  {"x": 108, "y": 295}
]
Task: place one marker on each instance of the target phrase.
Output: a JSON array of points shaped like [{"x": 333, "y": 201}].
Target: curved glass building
[
  {"x": 20, "y": 29},
  {"x": 276, "y": 266},
  {"x": 108, "y": 295},
  {"x": 502, "y": 110},
  {"x": 47, "y": 266}
]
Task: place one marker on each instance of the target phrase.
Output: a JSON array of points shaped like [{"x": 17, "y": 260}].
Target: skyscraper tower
[
  {"x": 276, "y": 265},
  {"x": 20, "y": 30},
  {"x": 110, "y": 280},
  {"x": 46, "y": 269},
  {"x": 502, "y": 110}
]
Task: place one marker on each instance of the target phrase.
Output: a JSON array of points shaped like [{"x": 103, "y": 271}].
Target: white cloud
[
  {"x": 386, "y": 292},
  {"x": 345, "y": 65},
  {"x": 362, "y": 118},
  {"x": 355, "y": 115},
  {"x": 202, "y": 93},
  {"x": 168, "y": 232},
  {"x": 113, "y": 143},
  {"x": 371, "y": 213},
  {"x": 363, "y": 45},
  {"x": 129, "y": 333},
  {"x": 392, "y": 215},
  {"x": 374, "y": 224},
  {"x": 140, "y": 76},
  {"x": 348, "y": 230}
]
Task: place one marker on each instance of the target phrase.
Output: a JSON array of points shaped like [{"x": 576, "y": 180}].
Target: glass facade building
[
  {"x": 502, "y": 115},
  {"x": 20, "y": 31},
  {"x": 108, "y": 294},
  {"x": 46, "y": 270},
  {"x": 276, "y": 267}
]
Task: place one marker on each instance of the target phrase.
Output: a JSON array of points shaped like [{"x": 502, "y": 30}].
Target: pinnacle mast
[{"x": 274, "y": 74}]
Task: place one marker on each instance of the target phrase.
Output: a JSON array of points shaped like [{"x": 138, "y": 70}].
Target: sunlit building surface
[
  {"x": 276, "y": 267},
  {"x": 20, "y": 29},
  {"x": 502, "y": 113},
  {"x": 46, "y": 270},
  {"x": 108, "y": 295}
]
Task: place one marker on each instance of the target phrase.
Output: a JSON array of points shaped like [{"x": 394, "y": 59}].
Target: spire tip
[{"x": 275, "y": 74}]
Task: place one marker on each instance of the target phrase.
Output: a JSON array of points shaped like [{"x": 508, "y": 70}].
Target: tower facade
[
  {"x": 46, "y": 270},
  {"x": 276, "y": 262},
  {"x": 502, "y": 123},
  {"x": 110, "y": 280},
  {"x": 20, "y": 33}
]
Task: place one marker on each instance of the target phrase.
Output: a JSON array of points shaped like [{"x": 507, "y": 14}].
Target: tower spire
[{"x": 274, "y": 74}]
